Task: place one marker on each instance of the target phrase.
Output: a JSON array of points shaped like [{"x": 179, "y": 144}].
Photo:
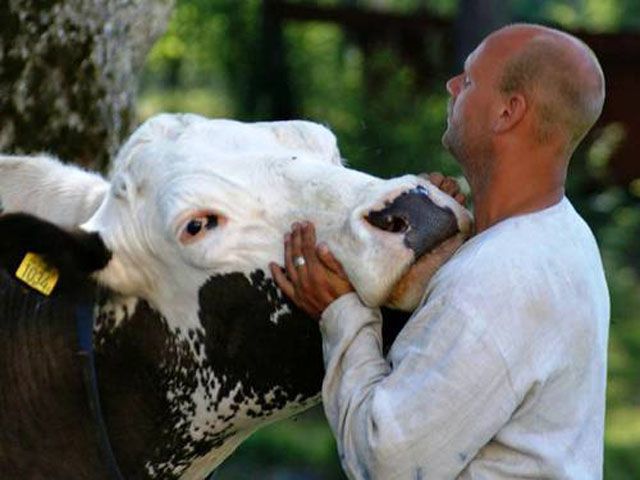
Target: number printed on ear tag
[{"x": 37, "y": 274}]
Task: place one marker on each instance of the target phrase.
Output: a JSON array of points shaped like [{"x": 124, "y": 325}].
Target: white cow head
[
  {"x": 194, "y": 212},
  {"x": 192, "y": 197}
]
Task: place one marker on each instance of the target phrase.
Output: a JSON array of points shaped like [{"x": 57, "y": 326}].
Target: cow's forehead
[{"x": 179, "y": 143}]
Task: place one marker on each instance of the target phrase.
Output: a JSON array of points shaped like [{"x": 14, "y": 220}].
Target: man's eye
[{"x": 465, "y": 81}]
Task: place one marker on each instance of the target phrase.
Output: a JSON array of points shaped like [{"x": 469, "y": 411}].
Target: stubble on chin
[
  {"x": 453, "y": 142},
  {"x": 449, "y": 141},
  {"x": 445, "y": 141}
]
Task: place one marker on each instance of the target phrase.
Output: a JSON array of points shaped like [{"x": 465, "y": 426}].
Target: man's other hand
[
  {"x": 313, "y": 278},
  {"x": 448, "y": 185}
]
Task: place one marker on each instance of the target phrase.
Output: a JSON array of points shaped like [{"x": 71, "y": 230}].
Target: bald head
[{"x": 558, "y": 74}]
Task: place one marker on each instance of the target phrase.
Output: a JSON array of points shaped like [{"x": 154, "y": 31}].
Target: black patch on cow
[
  {"x": 74, "y": 254},
  {"x": 392, "y": 322},
  {"x": 244, "y": 345},
  {"x": 138, "y": 364}
]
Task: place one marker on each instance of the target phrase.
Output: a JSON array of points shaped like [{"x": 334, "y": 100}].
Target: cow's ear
[
  {"x": 63, "y": 194},
  {"x": 303, "y": 135},
  {"x": 29, "y": 246}
]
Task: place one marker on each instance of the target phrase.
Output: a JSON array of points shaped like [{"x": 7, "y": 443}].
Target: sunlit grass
[{"x": 603, "y": 15}]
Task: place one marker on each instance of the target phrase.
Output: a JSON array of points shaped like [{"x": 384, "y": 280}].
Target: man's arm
[{"x": 427, "y": 415}]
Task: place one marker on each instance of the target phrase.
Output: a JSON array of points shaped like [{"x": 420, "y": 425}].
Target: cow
[{"x": 195, "y": 347}]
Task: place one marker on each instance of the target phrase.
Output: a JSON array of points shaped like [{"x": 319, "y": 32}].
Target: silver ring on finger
[{"x": 299, "y": 261}]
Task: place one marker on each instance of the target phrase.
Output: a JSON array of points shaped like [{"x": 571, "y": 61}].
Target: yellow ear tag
[{"x": 37, "y": 274}]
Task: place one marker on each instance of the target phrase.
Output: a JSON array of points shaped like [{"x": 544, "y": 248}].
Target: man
[{"x": 501, "y": 372}]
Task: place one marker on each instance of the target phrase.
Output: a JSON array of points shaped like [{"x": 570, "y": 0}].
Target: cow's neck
[{"x": 178, "y": 400}]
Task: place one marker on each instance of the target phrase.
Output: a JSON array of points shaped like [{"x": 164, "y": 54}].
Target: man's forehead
[
  {"x": 467, "y": 62},
  {"x": 473, "y": 56},
  {"x": 491, "y": 53}
]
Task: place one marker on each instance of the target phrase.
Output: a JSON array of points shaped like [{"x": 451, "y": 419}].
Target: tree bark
[{"x": 68, "y": 73}]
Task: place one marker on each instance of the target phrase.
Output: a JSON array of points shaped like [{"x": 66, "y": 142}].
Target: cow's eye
[
  {"x": 194, "y": 227},
  {"x": 197, "y": 226}
]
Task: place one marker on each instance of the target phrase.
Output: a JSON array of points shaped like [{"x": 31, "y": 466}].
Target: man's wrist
[
  {"x": 336, "y": 306},
  {"x": 346, "y": 313}
]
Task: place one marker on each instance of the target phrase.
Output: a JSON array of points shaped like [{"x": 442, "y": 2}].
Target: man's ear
[
  {"x": 42, "y": 186},
  {"x": 511, "y": 112}
]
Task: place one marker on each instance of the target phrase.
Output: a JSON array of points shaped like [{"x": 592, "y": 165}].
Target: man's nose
[{"x": 453, "y": 85}]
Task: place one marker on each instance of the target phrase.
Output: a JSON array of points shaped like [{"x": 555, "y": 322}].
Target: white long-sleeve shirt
[{"x": 500, "y": 374}]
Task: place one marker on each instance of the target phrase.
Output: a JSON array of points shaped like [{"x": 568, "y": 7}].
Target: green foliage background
[{"x": 211, "y": 62}]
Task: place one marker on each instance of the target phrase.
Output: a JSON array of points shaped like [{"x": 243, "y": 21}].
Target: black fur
[
  {"x": 143, "y": 360},
  {"x": 46, "y": 428}
]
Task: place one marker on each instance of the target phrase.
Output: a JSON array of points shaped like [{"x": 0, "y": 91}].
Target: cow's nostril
[
  {"x": 387, "y": 222},
  {"x": 421, "y": 222}
]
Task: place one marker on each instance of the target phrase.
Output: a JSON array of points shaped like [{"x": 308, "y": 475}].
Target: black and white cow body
[
  {"x": 237, "y": 371},
  {"x": 195, "y": 346},
  {"x": 254, "y": 371}
]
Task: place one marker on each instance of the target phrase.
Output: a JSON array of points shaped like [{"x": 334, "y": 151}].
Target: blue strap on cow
[{"x": 84, "y": 328}]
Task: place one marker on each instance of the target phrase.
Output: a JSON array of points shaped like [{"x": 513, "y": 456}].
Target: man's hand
[
  {"x": 314, "y": 278},
  {"x": 448, "y": 185}
]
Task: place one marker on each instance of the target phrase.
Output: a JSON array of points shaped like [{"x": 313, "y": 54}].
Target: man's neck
[{"x": 506, "y": 193}]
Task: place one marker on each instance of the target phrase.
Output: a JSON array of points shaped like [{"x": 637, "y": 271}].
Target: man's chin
[{"x": 446, "y": 141}]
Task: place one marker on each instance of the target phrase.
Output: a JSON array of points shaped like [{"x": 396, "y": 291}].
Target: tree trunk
[
  {"x": 275, "y": 86},
  {"x": 476, "y": 19},
  {"x": 68, "y": 73}
]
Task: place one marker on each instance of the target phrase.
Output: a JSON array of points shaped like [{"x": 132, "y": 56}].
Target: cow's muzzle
[{"x": 414, "y": 215}]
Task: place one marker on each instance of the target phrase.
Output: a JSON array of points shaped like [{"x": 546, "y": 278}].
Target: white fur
[
  {"x": 261, "y": 177},
  {"x": 63, "y": 194}
]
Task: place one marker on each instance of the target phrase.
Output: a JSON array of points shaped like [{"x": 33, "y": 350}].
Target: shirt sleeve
[{"x": 427, "y": 415}]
